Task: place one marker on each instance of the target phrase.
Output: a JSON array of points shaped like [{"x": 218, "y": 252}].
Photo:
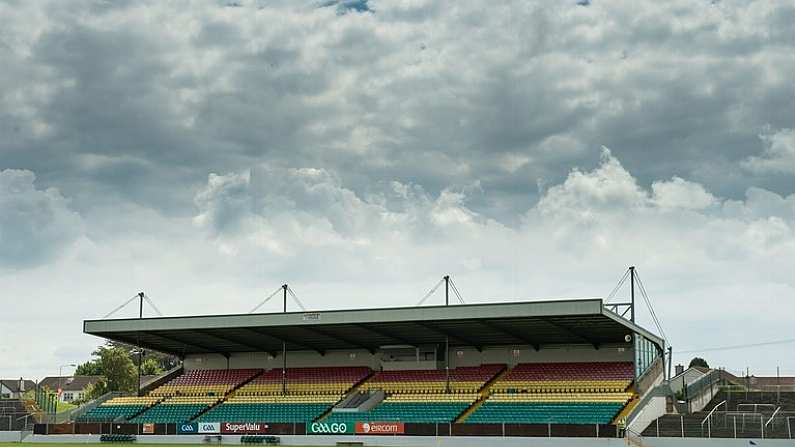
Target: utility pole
[
  {"x": 446, "y": 290},
  {"x": 632, "y": 290}
]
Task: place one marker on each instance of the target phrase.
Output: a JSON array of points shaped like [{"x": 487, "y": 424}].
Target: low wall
[
  {"x": 409, "y": 441},
  {"x": 10, "y": 436},
  {"x": 431, "y": 441}
]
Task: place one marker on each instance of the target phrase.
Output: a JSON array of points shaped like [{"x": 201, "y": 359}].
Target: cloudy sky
[{"x": 207, "y": 152}]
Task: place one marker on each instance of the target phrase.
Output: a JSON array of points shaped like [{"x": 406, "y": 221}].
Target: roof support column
[
  {"x": 140, "y": 349},
  {"x": 447, "y": 362},
  {"x": 284, "y": 367}
]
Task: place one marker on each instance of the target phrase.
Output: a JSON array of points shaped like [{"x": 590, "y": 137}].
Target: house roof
[
  {"x": 13, "y": 384},
  {"x": 69, "y": 383}
]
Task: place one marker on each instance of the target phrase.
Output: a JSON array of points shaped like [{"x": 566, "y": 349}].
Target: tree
[
  {"x": 151, "y": 367},
  {"x": 89, "y": 368},
  {"x": 698, "y": 361},
  {"x": 164, "y": 361},
  {"x": 93, "y": 391},
  {"x": 118, "y": 369}
]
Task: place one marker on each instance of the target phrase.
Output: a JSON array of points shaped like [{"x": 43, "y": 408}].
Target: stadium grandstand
[{"x": 546, "y": 363}]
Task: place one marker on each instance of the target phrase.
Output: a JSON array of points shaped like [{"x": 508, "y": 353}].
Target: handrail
[
  {"x": 713, "y": 410},
  {"x": 706, "y": 419},
  {"x": 772, "y": 416}
]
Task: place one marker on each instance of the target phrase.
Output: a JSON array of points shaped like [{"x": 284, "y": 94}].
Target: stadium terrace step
[
  {"x": 484, "y": 394},
  {"x": 125, "y": 408},
  {"x": 14, "y": 415}
]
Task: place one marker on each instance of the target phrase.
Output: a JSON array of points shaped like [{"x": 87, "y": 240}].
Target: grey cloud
[
  {"x": 35, "y": 225},
  {"x": 394, "y": 144},
  {"x": 435, "y": 94}
]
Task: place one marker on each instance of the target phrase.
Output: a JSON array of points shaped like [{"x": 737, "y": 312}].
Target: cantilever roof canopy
[{"x": 536, "y": 323}]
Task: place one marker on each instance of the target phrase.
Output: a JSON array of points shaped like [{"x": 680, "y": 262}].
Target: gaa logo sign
[
  {"x": 190, "y": 428},
  {"x": 330, "y": 429}
]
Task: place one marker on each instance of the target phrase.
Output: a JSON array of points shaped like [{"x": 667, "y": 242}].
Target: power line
[{"x": 744, "y": 346}]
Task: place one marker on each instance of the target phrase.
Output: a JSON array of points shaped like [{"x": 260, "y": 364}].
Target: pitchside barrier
[{"x": 321, "y": 428}]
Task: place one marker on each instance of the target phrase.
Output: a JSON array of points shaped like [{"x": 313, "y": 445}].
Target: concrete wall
[
  {"x": 10, "y": 436},
  {"x": 458, "y": 357},
  {"x": 651, "y": 410},
  {"x": 294, "y": 360},
  {"x": 689, "y": 376}
]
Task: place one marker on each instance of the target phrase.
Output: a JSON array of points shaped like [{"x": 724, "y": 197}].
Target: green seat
[
  {"x": 107, "y": 413},
  {"x": 265, "y": 412},
  {"x": 164, "y": 414},
  {"x": 415, "y": 412},
  {"x": 545, "y": 413}
]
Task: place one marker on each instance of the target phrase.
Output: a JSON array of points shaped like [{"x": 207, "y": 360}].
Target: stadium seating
[
  {"x": 331, "y": 380},
  {"x": 418, "y": 408},
  {"x": 422, "y": 395},
  {"x": 463, "y": 380},
  {"x": 205, "y": 382},
  {"x": 560, "y": 393},
  {"x": 176, "y": 409},
  {"x": 119, "y": 407},
  {"x": 567, "y": 377},
  {"x": 310, "y": 393},
  {"x": 286, "y": 409}
]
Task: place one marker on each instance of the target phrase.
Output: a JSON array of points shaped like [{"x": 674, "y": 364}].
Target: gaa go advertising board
[{"x": 324, "y": 428}]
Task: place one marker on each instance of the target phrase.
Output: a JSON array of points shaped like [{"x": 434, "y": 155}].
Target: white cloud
[
  {"x": 778, "y": 156},
  {"x": 679, "y": 193}
]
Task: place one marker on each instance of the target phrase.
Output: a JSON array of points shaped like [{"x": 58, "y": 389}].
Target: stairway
[
  {"x": 228, "y": 394},
  {"x": 484, "y": 392},
  {"x": 622, "y": 415}
]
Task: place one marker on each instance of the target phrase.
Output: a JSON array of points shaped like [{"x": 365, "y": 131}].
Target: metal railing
[
  {"x": 707, "y": 419},
  {"x": 772, "y": 416}
]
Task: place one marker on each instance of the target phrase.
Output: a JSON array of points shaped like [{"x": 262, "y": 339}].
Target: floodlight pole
[
  {"x": 140, "y": 350},
  {"x": 284, "y": 289},
  {"x": 632, "y": 291},
  {"x": 446, "y": 290}
]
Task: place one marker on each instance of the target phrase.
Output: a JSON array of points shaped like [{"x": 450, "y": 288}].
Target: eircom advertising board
[
  {"x": 360, "y": 428},
  {"x": 380, "y": 428}
]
